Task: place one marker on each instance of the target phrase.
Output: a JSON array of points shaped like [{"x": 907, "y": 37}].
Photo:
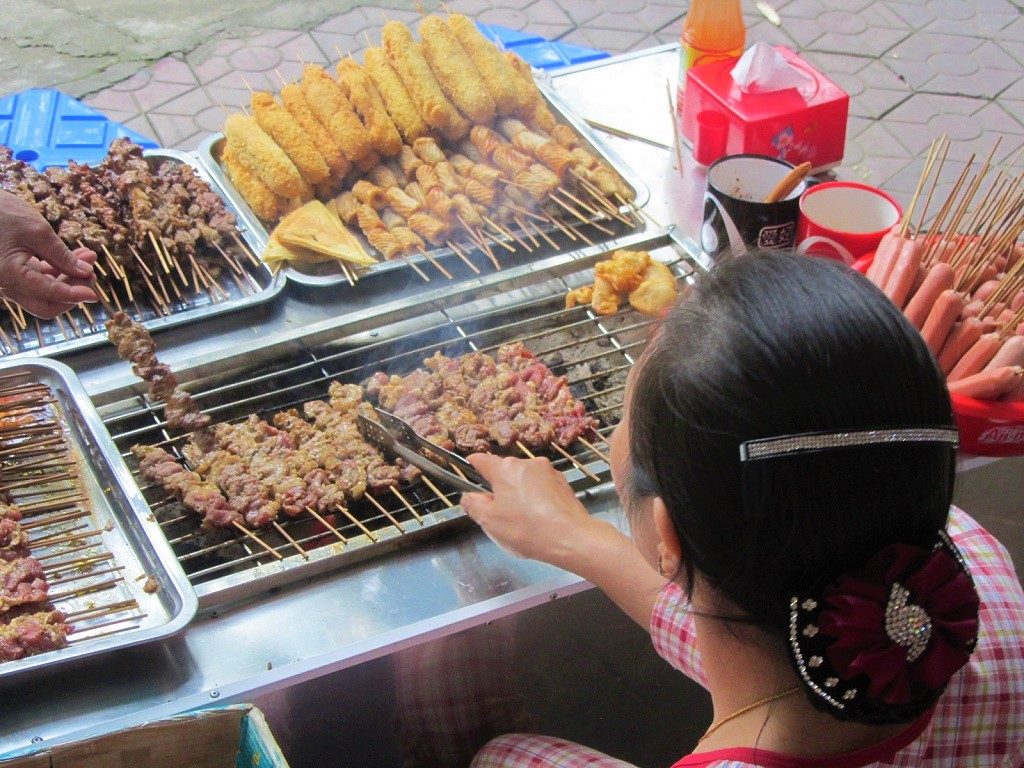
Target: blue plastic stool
[
  {"x": 538, "y": 52},
  {"x": 45, "y": 127}
]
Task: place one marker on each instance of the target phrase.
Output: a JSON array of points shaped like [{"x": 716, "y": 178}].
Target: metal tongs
[{"x": 391, "y": 433}]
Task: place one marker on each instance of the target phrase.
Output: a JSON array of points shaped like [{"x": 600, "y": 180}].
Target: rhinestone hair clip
[{"x": 772, "y": 447}]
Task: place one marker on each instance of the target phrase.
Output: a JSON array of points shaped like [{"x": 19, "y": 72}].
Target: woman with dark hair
[{"x": 786, "y": 460}]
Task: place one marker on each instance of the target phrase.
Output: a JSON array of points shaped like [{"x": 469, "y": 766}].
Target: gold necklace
[{"x": 750, "y": 707}]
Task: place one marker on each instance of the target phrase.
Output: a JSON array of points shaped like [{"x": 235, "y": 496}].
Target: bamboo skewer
[
  {"x": 383, "y": 510},
  {"x": 525, "y": 450},
  {"x": 293, "y": 542},
  {"x": 106, "y": 624},
  {"x": 603, "y": 456},
  {"x": 458, "y": 252},
  {"x": 369, "y": 534},
  {"x": 437, "y": 491},
  {"x": 572, "y": 459},
  {"x": 416, "y": 269},
  {"x": 270, "y": 550},
  {"x": 84, "y": 614},
  {"x": 407, "y": 505},
  {"x": 86, "y": 590},
  {"x": 436, "y": 264},
  {"x": 327, "y": 525}
]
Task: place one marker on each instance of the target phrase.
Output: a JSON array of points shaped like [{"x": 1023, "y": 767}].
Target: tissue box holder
[{"x": 782, "y": 124}]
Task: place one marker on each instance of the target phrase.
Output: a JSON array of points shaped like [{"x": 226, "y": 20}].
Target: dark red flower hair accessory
[{"x": 880, "y": 645}]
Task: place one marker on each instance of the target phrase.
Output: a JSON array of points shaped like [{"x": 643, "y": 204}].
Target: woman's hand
[
  {"x": 37, "y": 271},
  {"x": 532, "y": 511}
]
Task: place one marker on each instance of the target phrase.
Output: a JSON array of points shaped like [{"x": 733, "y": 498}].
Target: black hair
[{"x": 772, "y": 344}]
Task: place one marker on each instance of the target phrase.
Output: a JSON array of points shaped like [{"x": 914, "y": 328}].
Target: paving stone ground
[{"x": 913, "y": 68}]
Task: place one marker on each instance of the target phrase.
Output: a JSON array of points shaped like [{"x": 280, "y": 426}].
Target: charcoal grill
[{"x": 593, "y": 352}]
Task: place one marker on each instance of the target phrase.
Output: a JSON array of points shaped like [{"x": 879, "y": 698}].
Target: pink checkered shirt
[{"x": 978, "y": 721}]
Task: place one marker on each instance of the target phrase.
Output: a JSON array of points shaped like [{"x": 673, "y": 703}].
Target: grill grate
[{"x": 593, "y": 352}]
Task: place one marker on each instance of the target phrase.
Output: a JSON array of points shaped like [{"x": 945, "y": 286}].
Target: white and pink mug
[{"x": 844, "y": 220}]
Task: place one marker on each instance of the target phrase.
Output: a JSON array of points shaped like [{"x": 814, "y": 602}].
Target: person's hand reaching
[{"x": 37, "y": 270}]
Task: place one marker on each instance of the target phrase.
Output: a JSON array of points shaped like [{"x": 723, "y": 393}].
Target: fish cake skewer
[
  {"x": 406, "y": 56},
  {"x": 494, "y": 69},
  {"x": 278, "y": 123},
  {"x": 257, "y": 151},
  {"x": 455, "y": 71},
  {"x": 263, "y": 202},
  {"x": 331, "y": 108},
  {"x": 396, "y": 98},
  {"x": 295, "y": 102},
  {"x": 363, "y": 95}
]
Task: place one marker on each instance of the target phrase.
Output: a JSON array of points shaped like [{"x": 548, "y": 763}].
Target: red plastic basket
[{"x": 986, "y": 428}]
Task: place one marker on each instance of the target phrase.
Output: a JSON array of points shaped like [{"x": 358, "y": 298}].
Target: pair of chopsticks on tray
[{"x": 392, "y": 434}]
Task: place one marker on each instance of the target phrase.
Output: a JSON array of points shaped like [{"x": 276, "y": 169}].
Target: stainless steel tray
[
  {"x": 269, "y": 375},
  {"x": 328, "y": 274},
  {"x": 190, "y": 309},
  {"x": 125, "y": 529}
]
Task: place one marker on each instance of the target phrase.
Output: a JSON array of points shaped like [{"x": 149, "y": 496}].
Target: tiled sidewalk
[{"x": 914, "y": 68}]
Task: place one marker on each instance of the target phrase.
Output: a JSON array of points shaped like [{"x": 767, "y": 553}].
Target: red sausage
[
  {"x": 1005, "y": 316},
  {"x": 1011, "y": 353},
  {"x": 885, "y": 257},
  {"x": 1015, "y": 254},
  {"x": 897, "y": 288},
  {"x": 987, "y": 274},
  {"x": 973, "y": 308},
  {"x": 1016, "y": 395},
  {"x": 977, "y": 357},
  {"x": 963, "y": 336},
  {"x": 1018, "y": 301},
  {"x": 940, "y": 320},
  {"x": 988, "y": 385},
  {"x": 939, "y": 278},
  {"x": 986, "y": 289}
]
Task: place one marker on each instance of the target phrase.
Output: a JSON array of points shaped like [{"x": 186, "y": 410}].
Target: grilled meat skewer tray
[
  {"x": 593, "y": 352},
  {"x": 329, "y": 274},
  {"x": 191, "y": 307},
  {"x": 109, "y": 568}
]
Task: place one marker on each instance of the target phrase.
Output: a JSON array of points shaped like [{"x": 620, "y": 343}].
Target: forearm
[{"x": 611, "y": 561}]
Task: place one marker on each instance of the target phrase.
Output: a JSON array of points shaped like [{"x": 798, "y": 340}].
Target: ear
[{"x": 669, "y": 549}]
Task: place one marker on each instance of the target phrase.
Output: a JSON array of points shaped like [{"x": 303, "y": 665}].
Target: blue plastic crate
[
  {"x": 538, "y": 52},
  {"x": 45, "y": 127}
]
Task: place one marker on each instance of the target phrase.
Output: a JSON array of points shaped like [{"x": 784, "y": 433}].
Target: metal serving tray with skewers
[
  {"x": 594, "y": 353},
  {"x": 330, "y": 274},
  {"x": 254, "y": 285},
  {"x": 110, "y": 570}
]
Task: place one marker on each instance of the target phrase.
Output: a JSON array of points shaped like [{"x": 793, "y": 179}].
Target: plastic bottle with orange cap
[{"x": 712, "y": 30}]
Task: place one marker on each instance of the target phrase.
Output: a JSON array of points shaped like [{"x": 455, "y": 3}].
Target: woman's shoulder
[{"x": 987, "y": 560}]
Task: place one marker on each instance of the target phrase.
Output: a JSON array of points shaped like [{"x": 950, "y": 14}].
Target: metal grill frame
[{"x": 485, "y": 317}]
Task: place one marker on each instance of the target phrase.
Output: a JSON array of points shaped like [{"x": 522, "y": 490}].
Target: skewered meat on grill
[
  {"x": 33, "y": 633},
  {"x": 135, "y": 345},
  {"x": 22, "y": 582},
  {"x": 477, "y": 402},
  {"x": 13, "y": 538},
  {"x": 198, "y": 496}
]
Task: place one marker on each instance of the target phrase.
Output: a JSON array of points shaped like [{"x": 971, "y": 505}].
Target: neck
[{"x": 742, "y": 667}]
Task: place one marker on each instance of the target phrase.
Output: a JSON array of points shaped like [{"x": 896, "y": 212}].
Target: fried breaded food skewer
[
  {"x": 263, "y": 202},
  {"x": 331, "y": 108},
  {"x": 295, "y": 102},
  {"x": 363, "y": 95},
  {"x": 406, "y": 56},
  {"x": 257, "y": 151},
  {"x": 455, "y": 71},
  {"x": 526, "y": 93},
  {"x": 494, "y": 69},
  {"x": 396, "y": 98},
  {"x": 278, "y": 123}
]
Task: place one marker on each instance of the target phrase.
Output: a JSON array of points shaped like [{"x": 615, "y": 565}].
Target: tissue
[{"x": 762, "y": 69}]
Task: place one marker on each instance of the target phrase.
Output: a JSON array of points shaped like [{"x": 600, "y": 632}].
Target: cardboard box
[
  {"x": 226, "y": 737},
  {"x": 792, "y": 125}
]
